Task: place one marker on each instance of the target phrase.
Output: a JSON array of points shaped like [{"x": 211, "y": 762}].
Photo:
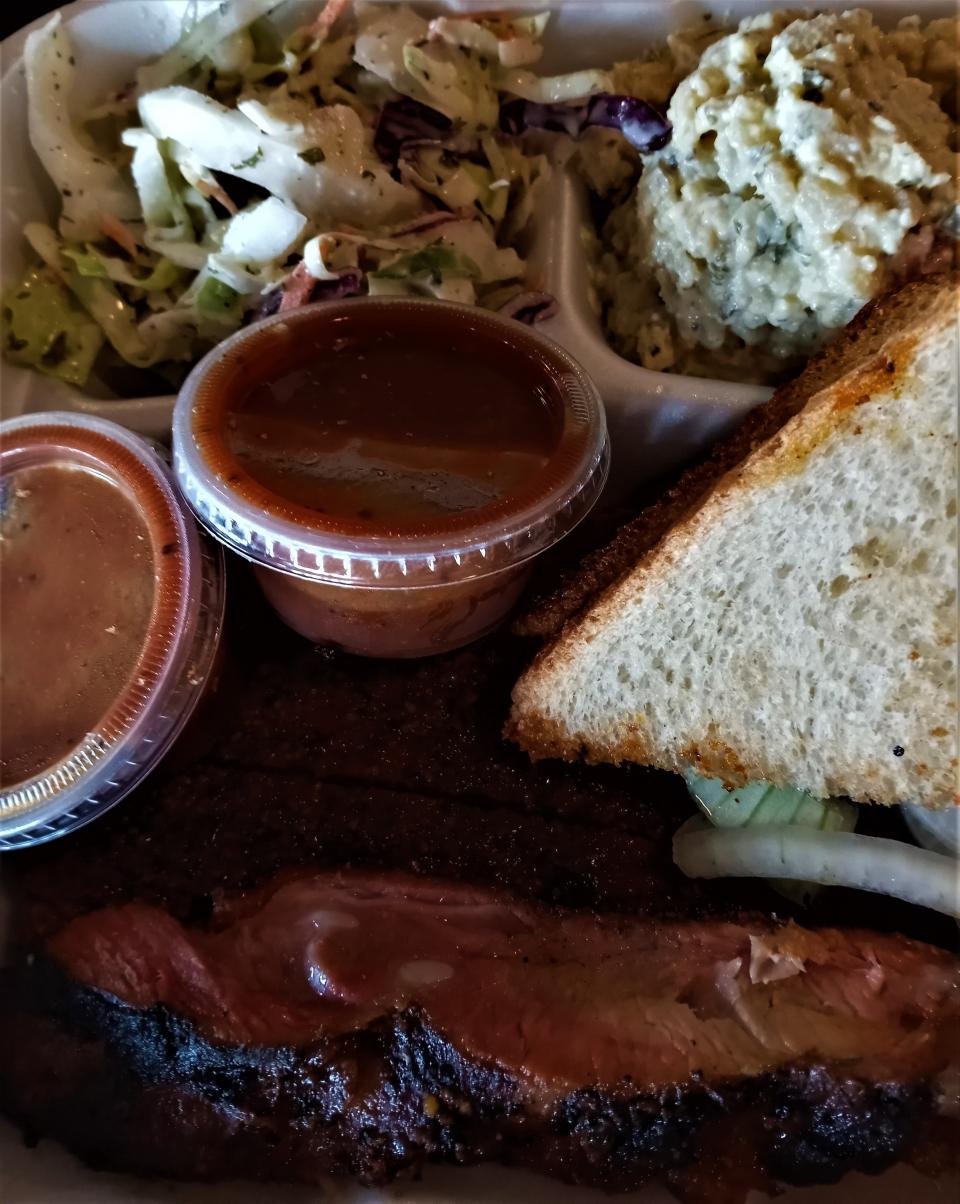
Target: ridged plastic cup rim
[
  {"x": 178, "y": 650},
  {"x": 391, "y": 561}
]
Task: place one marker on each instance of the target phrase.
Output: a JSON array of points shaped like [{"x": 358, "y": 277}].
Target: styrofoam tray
[{"x": 656, "y": 419}]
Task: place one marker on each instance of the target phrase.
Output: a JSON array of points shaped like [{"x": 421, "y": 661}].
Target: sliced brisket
[{"x": 349, "y": 1024}]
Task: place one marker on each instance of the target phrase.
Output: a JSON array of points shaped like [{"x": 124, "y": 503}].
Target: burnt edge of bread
[
  {"x": 863, "y": 338},
  {"x": 144, "y": 1092}
]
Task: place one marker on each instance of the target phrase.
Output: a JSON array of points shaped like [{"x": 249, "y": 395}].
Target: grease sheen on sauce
[
  {"x": 381, "y": 425},
  {"x": 76, "y": 597}
]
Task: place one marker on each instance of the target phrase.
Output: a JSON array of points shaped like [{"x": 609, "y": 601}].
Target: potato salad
[{"x": 812, "y": 164}]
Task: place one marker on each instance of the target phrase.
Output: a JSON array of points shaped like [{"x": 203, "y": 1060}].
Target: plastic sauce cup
[
  {"x": 112, "y": 607},
  {"x": 390, "y": 466}
]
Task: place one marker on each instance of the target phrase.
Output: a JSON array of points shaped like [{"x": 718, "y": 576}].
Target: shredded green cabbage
[
  {"x": 216, "y": 299},
  {"x": 90, "y": 186},
  {"x": 213, "y": 35},
  {"x": 433, "y": 260},
  {"x": 98, "y": 296},
  {"x": 45, "y": 328},
  {"x": 556, "y": 88},
  {"x": 454, "y": 84},
  {"x": 161, "y": 276}
]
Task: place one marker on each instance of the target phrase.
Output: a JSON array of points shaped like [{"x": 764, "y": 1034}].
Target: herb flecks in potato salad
[
  {"x": 255, "y": 167},
  {"x": 812, "y": 164}
]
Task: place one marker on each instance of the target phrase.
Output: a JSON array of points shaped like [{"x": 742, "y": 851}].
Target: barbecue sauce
[{"x": 396, "y": 425}]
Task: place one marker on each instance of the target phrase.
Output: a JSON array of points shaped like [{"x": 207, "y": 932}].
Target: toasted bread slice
[{"x": 797, "y": 621}]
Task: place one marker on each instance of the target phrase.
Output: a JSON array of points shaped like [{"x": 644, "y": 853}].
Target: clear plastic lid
[
  {"x": 266, "y": 529},
  {"x": 171, "y": 652}
]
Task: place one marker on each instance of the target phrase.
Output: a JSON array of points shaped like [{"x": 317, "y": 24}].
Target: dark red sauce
[{"x": 377, "y": 419}]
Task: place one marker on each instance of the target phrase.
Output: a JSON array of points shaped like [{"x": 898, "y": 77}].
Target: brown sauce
[
  {"x": 370, "y": 421},
  {"x": 77, "y": 587}
]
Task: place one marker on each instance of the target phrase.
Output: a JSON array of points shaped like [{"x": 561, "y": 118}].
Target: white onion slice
[
  {"x": 887, "y": 867},
  {"x": 937, "y": 830}
]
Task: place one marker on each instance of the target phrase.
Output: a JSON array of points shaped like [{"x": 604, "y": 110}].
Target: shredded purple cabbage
[
  {"x": 268, "y": 306},
  {"x": 530, "y": 307},
  {"x": 639, "y": 122},
  {"x": 407, "y": 120},
  {"x": 349, "y": 283}
]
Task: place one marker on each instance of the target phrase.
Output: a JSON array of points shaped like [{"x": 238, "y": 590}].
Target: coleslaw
[{"x": 249, "y": 169}]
